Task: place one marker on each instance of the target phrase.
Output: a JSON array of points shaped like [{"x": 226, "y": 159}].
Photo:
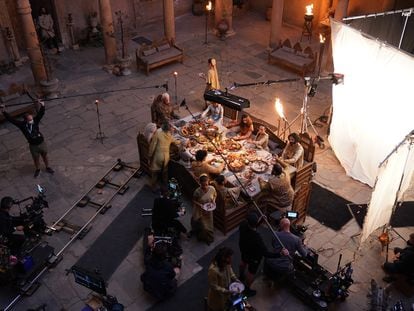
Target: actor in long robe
[{"x": 202, "y": 220}]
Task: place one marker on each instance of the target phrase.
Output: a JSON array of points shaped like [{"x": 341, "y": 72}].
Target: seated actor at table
[
  {"x": 200, "y": 165},
  {"x": 214, "y": 112},
  {"x": 230, "y": 195},
  {"x": 293, "y": 152},
  {"x": 202, "y": 219},
  {"x": 244, "y": 127},
  {"x": 261, "y": 139},
  {"x": 277, "y": 192}
]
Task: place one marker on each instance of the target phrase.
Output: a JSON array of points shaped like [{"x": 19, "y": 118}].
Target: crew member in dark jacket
[
  {"x": 9, "y": 225},
  {"x": 164, "y": 214},
  {"x": 30, "y": 130},
  {"x": 404, "y": 262},
  {"x": 159, "y": 278},
  {"x": 252, "y": 249}
]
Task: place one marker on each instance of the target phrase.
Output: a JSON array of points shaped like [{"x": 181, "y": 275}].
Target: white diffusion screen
[
  {"x": 373, "y": 110},
  {"x": 393, "y": 179}
]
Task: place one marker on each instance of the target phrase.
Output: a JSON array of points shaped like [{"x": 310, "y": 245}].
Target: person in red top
[{"x": 30, "y": 129}]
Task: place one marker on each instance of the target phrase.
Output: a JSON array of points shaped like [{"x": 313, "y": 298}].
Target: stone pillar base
[{"x": 49, "y": 88}]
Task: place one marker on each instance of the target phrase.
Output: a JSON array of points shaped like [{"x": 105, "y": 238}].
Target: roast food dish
[
  {"x": 235, "y": 162},
  {"x": 259, "y": 166},
  {"x": 202, "y": 139},
  {"x": 211, "y": 130},
  {"x": 231, "y": 145}
]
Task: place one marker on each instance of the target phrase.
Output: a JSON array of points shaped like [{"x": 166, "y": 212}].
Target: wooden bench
[
  {"x": 300, "y": 60},
  {"x": 158, "y": 54}
]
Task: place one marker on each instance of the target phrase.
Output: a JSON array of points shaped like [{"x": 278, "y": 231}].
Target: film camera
[{"x": 32, "y": 215}]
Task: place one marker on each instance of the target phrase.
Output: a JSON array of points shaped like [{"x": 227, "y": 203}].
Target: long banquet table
[{"x": 247, "y": 175}]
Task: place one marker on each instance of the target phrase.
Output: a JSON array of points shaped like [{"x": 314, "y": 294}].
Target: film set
[{"x": 206, "y": 155}]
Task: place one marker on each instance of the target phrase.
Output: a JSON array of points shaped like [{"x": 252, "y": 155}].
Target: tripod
[
  {"x": 305, "y": 121},
  {"x": 100, "y": 135}
]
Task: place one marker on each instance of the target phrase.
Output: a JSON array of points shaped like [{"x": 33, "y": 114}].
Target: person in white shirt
[{"x": 214, "y": 112}]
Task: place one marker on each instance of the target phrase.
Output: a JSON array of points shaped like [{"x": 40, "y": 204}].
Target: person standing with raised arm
[{"x": 30, "y": 129}]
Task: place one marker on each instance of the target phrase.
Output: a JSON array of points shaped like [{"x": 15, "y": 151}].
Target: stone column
[
  {"x": 108, "y": 31},
  {"x": 223, "y": 10},
  {"x": 31, "y": 41},
  {"x": 11, "y": 38},
  {"x": 169, "y": 20},
  {"x": 323, "y": 8},
  {"x": 341, "y": 10},
  {"x": 276, "y": 23}
]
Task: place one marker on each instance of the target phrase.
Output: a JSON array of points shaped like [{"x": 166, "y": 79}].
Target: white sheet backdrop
[
  {"x": 373, "y": 110},
  {"x": 393, "y": 179}
]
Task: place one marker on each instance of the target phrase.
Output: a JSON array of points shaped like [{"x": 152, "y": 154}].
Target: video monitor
[{"x": 89, "y": 279}]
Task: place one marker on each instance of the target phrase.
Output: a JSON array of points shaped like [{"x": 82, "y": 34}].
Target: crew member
[
  {"x": 202, "y": 219},
  {"x": 403, "y": 264},
  {"x": 261, "y": 140},
  {"x": 244, "y": 127},
  {"x": 214, "y": 112},
  {"x": 277, "y": 192},
  {"x": 293, "y": 152},
  {"x": 10, "y": 226},
  {"x": 276, "y": 267},
  {"x": 47, "y": 31},
  {"x": 162, "y": 110},
  {"x": 220, "y": 276},
  {"x": 164, "y": 214},
  {"x": 30, "y": 129},
  {"x": 252, "y": 249},
  {"x": 159, "y": 278},
  {"x": 159, "y": 154}
]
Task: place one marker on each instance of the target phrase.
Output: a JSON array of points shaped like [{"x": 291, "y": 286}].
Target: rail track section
[{"x": 76, "y": 221}]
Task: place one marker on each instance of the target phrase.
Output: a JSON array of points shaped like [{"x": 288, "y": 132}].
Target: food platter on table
[
  {"x": 231, "y": 134},
  {"x": 231, "y": 145},
  {"x": 211, "y": 130},
  {"x": 235, "y": 162},
  {"x": 208, "y": 207},
  {"x": 259, "y": 166},
  {"x": 249, "y": 175},
  {"x": 202, "y": 139},
  {"x": 215, "y": 162}
]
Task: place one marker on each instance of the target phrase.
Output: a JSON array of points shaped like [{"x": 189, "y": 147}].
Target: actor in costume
[
  {"x": 214, "y": 112},
  {"x": 220, "y": 276},
  {"x": 162, "y": 110},
  {"x": 244, "y": 127},
  {"x": 261, "y": 140},
  {"x": 277, "y": 192},
  {"x": 200, "y": 165},
  {"x": 159, "y": 154},
  {"x": 202, "y": 219},
  {"x": 230, "y": 195},
  {"x": 293, "y": 152}
]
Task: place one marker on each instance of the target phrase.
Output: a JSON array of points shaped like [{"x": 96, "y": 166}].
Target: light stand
[
  {"x": 175, "y": 89},
  {"x": 100, "y": 135},
  {"x": 218, "y": 152},
  {"x": 209, "y": 7}
]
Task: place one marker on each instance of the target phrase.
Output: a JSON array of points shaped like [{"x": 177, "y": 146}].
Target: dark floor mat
[
  {"x": 142, "y": 40},
  {"x": 358, "y": 211},
  {"x": 328, "y": 208},
  {"x": 404, "y": 215},
  {"x": 115, "y": 243}
]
